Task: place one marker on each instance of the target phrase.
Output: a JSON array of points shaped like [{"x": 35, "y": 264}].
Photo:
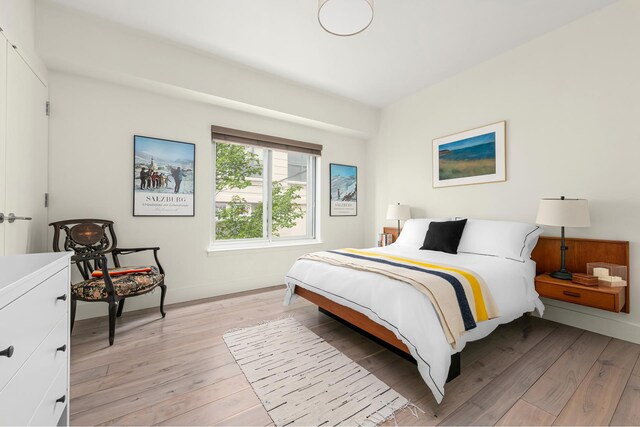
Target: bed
[{"x": 400, "y": 315}]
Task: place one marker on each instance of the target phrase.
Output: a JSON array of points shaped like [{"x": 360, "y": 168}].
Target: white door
[
  {"x": 26, "y": 159},
  {"x": 3, "y": 134}
]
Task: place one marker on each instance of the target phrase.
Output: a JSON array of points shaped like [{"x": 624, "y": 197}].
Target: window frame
[{"x": 269, "y": 241}]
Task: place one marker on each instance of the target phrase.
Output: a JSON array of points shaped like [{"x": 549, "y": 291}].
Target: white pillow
[
  {"x": 414, "y": 231},
  {"x": 505, "y": 239}
]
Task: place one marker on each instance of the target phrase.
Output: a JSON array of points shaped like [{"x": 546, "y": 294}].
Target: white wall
[
  {"x": 91, "y": 135},
  {"x": 571, "y": 100},
  {"x": 108, "y": 83},
  {"x": 80, "y": 43}
]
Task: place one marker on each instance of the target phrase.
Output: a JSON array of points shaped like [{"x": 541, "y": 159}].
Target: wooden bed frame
[
  {"x": 368, "y": 327},
  {"x": 547, "y": 258}
]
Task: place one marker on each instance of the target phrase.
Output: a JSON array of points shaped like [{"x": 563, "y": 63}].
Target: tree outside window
[{"x": 248, "y": 179}]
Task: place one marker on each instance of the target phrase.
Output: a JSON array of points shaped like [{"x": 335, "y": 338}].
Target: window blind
[{"x": 273, "y": 142}]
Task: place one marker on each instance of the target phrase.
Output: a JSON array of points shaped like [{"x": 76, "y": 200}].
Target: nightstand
[{"x": 611, "y": 299}]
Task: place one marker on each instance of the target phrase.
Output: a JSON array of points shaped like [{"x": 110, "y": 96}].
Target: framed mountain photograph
[
  {"x": 344, "y": 190},
  {"x": 163, "y": 177},
  {"x": 476, "y": 156}
]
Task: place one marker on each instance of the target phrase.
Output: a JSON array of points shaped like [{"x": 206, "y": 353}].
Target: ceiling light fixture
[{"x": 345, "y": 17}]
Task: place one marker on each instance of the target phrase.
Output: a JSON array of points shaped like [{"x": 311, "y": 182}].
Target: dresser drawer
[
  {"x": 54, "y": 402},
  {"x": 582, "y": 295},
  {"x": 25, "y": 322},
  {"x": 23, "y": 394}
]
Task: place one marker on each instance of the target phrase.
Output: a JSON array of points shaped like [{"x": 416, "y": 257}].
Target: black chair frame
[{"x": 91, "y": 257}]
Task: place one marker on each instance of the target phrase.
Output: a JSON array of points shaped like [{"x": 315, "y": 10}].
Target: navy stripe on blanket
[{"x": 461, "y": 296}]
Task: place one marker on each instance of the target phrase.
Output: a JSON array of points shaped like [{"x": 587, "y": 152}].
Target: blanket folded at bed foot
[{"x": 459, "y": 296}]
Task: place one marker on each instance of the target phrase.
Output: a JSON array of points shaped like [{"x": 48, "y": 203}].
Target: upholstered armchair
[{"x": 92, "y": 240}]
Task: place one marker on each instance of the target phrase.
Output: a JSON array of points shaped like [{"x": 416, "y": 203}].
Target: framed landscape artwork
[
  {"x": 475, "y": 156},
  {"x": 163, "y": 177},
  {"x": 344, "y": 190}
]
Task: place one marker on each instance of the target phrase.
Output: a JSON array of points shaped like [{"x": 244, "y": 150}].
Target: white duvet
[{"x": 409, "y": 313}]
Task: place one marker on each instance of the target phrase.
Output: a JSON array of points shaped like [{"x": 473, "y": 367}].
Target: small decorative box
[
  {"x": 609, "y": 275},
  {"x": 585, "y": 279}
]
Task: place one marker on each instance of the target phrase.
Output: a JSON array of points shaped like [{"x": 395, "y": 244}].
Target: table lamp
[
  {"x": 399, "y": 213},
  {"x": 563, "y": 213}
]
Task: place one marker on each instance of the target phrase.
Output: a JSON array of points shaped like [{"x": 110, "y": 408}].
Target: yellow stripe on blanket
[{"x": 481, "y": 309}]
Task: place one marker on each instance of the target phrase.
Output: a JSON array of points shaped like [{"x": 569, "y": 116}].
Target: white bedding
[{"x": 409, "y": 313}]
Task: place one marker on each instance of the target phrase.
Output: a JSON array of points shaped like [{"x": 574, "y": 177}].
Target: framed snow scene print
[
  {"x": 344, "y": 190},
  {"x": 163, "y": 177}
]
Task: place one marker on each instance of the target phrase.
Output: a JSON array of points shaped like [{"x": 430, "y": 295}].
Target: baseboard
[
  {"x": 573, "y": 316},
  {"x": 87, "y": 310}
]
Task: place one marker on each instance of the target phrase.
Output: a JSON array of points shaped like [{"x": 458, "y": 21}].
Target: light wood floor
[{"x": 178, "y": 371}]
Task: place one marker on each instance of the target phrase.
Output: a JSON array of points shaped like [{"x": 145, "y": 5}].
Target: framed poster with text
[
  {"x": 344, "y": 190},
  {"x": 163, "y": 177}
]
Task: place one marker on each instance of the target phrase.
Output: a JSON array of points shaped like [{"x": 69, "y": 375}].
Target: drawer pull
[
  {"x": 62, "y": 297},
  {"x": 62, "y": 348},
  {"x": 571, "y": 294},
  {"x": 7, "y": 352},
  {"x": 62, "y": 399}
]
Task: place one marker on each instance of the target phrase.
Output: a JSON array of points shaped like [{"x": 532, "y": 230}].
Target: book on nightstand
[
  {"x": 385, "y": 239},
  {"x": 585, "y": 279}
]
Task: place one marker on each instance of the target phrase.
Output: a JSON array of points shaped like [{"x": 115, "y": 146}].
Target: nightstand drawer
[{"x": 582, "y": 295}]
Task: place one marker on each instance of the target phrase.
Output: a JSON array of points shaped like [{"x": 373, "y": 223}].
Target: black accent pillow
[{"x": 444, "y": 236}]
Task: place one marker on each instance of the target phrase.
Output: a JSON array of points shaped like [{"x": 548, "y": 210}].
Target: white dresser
[{"x": 34, "y": 339}]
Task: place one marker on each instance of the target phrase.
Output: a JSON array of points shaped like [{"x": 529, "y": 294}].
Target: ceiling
[{"x": 411, "y": 44}]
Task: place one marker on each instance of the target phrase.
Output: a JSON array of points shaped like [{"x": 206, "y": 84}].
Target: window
[{"x": 265, "y": 193}]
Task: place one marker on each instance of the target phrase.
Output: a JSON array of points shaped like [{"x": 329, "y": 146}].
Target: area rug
[{"x": 303, "y": 380}]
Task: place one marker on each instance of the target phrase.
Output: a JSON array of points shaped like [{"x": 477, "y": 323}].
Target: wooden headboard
[{"x": 581, "y": 251}]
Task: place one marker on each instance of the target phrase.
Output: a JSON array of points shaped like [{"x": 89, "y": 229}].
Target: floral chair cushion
[{"x": 124, "y": 285}]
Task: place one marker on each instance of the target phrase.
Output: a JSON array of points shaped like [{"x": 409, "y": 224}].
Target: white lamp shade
[
  {"x": 564, "y": 213},
  {"x": 398, "y": 212},
  {"x": 345, "y": 17}
]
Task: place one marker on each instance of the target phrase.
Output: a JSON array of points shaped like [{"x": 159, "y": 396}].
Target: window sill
[{"x": 222, "y": 248}]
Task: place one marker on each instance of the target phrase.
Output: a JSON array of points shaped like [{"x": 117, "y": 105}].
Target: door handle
[{"x": 12, "y": 218}]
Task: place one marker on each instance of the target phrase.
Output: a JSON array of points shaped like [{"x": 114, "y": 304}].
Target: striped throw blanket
[{"x": 459, "y": 296}]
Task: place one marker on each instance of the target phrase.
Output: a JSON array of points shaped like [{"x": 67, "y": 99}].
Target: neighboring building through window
[{"x": 296, "y": 166}]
